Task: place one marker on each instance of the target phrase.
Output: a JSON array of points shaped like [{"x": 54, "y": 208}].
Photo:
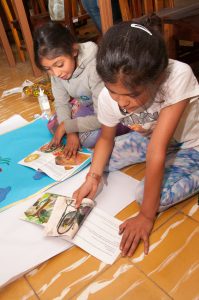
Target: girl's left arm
[
  {"x": 156, "y": 155},
  {"x": 139, "y": 228}
]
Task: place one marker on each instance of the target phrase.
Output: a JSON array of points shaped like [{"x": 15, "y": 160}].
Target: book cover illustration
[
  {"x": 40, "y": 211},
  {"x": 66, "y": 219},
  {"x": 53, "y": 162}
]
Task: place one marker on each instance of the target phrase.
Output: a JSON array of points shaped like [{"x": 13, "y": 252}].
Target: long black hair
[
  {"x": 52, "y": 40},
  {"x": 132, "y": 55}
]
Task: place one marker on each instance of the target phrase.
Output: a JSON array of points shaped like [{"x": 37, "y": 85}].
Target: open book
[
  {"x": 59, "y": 215},
  {"x": 53, "y": 162},
  {"x": 88, "y": 227}
]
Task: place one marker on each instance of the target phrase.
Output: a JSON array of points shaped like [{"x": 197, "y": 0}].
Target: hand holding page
[
  {"x": 53, "y": 162},
  {"x": 58, "y": 214},
  {"x": 66, "y": 219},
  {"x": 88, "y": 227}
]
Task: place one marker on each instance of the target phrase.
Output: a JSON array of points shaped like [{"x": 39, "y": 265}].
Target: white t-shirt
[{"x": 180, "y": 84}]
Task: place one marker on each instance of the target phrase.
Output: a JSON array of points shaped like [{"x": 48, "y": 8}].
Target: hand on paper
[
  {"x": 87, "y": 190},
  {"x": 59, "y": 133},
  {"x": 133, "y": 230},
  {"x": 72, "y": 144}
]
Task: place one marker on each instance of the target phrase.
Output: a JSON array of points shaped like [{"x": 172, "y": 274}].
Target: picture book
[
  {"x": 52, "y": 161},
  {"x": 58, "y": 214},
  {"x": 88, "y": 227},
  {"x": 40, "y": 211}
]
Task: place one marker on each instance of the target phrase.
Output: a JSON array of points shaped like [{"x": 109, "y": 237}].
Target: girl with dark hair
[
  {"x": 157, "y": 98},
  {"x": 75, "y": 85}
]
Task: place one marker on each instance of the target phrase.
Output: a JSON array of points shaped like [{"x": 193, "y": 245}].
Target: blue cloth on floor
[{"x": 16, "y": 181}]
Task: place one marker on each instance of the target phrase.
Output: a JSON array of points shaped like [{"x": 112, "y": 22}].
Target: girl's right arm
[
  {"x": 101, "y": 155},
  {"x": 63, "y": 111},
  {"x": 62, "y": 99}
]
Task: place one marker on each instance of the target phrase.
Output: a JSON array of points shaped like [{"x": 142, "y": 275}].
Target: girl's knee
[
  {"x": 179, "y": 191},
  {"x": 170, "y": 195}
]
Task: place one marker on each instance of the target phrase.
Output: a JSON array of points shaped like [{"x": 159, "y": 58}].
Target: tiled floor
[{"x": 169, "y": 271}]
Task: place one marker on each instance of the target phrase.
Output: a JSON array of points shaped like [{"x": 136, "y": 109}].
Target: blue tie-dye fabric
[{"x": 16, "y": 181}]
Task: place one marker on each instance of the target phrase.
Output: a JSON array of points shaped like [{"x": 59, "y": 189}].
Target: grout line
[
  {"x": 29, "y": 284},
  {"x": 154, "y": 282}
]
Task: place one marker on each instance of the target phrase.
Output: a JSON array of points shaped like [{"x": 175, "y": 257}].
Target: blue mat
[{"x": 18, "y": 182}]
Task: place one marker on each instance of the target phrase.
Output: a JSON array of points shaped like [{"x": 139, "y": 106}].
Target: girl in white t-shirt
[{"x": 158, "y": 99}]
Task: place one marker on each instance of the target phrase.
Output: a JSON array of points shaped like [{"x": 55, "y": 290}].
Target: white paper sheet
[
  {"x": 99, "y": 236},
  {"x": 12, "y": 123},
  {"x": 24, "y": 246}
]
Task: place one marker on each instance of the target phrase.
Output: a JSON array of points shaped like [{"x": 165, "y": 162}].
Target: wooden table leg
[
  {"x": 15, "y": 34},
  {"x": 22, "y": 18},
  {"x": 170, "y": 40},
  {"x": 106, "y": 14},
  {"x": 6, "y": 45}
]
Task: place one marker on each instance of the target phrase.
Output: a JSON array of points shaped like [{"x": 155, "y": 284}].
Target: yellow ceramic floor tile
[
  {"x": 190, "y": 207},
  {"x": 65, "y": 274},
  {"x": 134, "y": 169},
  {"x": 121, "y": 281},
  {"x": 17, "y": 290},
  {"x": 164, "y": 217},
  {"x": 173, "y": 260},
  {"x": 192, "y": 210},
  {"x": 180, "y": 205},
  {"x": 130, "y": 211}
]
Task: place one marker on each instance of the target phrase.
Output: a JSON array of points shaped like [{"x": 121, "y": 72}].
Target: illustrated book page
[
  {"x": 66, "y": 219},
  {"x": 58, "y": 214},
  {"x": 52, "y": 161},
  {"x": 88, "y": 227}
]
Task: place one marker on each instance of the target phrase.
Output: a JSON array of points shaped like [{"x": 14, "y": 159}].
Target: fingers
[
  {"x": 54, "y": 142},
  {"x": 72, "y": 145},
  {"x": 130, "y": 242},
  {"x": 77, "y": 196},
  {"x": 91, "y": 195},
  {"x": 85, "y": 191},
  {"x": 122, "y": 227},
  {"x": 70, "y": 151},
  {"x": 80, "y": 194},
  {"x": 146, "y": 244}
]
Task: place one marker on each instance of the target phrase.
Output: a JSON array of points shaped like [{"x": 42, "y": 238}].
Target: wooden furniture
[
  {"x": 38, "y": 8},
  {"x": 75, "y": 15},
  {"x": 106, "y": 14},
  {"x": 130, "y": 9},
  {"x": 6, "y": 45},
  {"x": 178, "y": 22},
  {"x": 26, "y": 32},
  {"x": 15, "y": 34}
]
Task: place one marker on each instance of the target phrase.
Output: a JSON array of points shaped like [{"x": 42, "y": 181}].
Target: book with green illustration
[
  {"x": 87, "y": 226},
  {"x": 52, "y": 161},
  {"x": 58, "y": 214}
]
